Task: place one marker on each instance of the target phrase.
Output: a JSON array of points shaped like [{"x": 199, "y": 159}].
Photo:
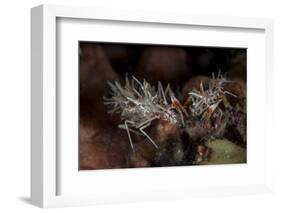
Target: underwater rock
[
  {"x": 236, "y": 129},
  {"x": 138, "y": 161},
  {"x": 171, "y": 148},
  {"x": 159, "y": 133},
  {"x": 223, "y": 151},
  {"x": 165, "y": 64},
  {"x": 95, "y": 70},
  {"x": 144, "y": 150},
  {"x": 102, "y": 149},
  {"x": 174, "y": 152},
  {"x": 198, "y": 130},
  {"x": 238, "y": 88},
  {"x": 166, "y": 130},
  {"x": 95, "y": 66}
]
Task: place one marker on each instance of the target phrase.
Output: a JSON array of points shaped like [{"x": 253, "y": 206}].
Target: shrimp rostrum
[{"x": 140, "y": 103}]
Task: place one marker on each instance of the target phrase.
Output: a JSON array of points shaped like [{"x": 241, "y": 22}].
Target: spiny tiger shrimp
[
  {"x": 205, "y": 103},
  {"x": 140, "y": 103}
]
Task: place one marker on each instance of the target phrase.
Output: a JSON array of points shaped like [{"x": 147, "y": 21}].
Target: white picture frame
[{"x": 46, "y": 157}]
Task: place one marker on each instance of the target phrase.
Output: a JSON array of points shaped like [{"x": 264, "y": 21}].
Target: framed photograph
[{"x": 129, "y": 106}]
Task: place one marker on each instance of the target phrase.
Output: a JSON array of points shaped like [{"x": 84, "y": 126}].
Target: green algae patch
[{"x": 223, "y": 151}]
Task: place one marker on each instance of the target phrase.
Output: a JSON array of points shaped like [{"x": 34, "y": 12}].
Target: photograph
[{"x": 160, "y": 105}]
